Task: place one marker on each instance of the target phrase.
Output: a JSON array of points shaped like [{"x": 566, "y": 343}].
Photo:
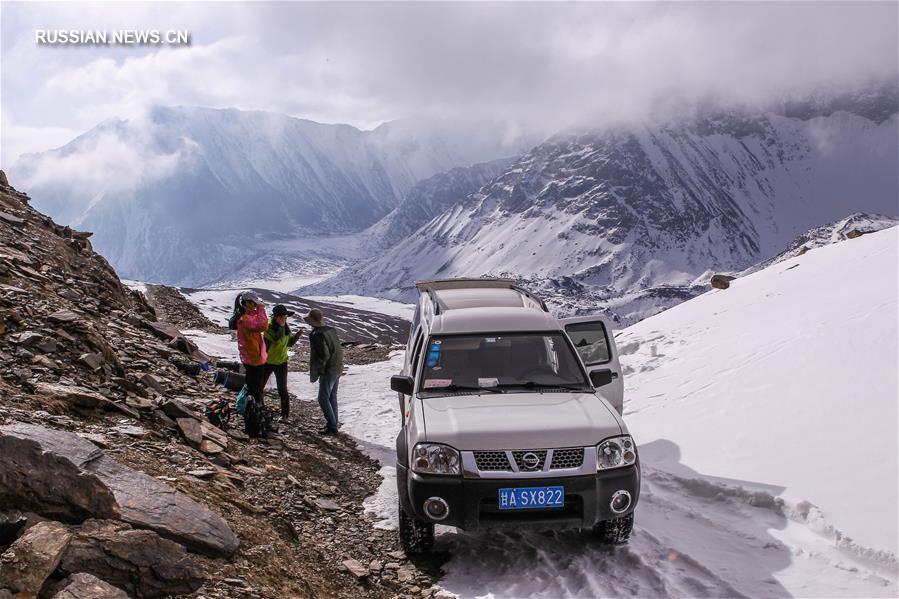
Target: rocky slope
[
  {"x": 112, "y": 483},
  {"x": 181, "y": 195},
  {"x": 642, "y": 212}
]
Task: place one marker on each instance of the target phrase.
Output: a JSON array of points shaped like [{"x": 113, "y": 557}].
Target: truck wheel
[
  {"x": 415, "y": 537},
  {"x": 616, "y": 531}
]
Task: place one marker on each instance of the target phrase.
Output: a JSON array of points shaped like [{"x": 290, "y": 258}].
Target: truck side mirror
[
  {"x": 404, "y": 384},
  {"x": 600, "y": 378}
]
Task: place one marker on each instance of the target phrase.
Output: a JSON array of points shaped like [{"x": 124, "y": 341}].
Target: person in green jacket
[
  {"x": 325, "y": 366},
  {"x": 277, "y": 340}
]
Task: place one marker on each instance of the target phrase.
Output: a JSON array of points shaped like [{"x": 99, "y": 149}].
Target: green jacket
[
  {"x": 277, "y": 340},
  {"x": 326, "y": 353}
]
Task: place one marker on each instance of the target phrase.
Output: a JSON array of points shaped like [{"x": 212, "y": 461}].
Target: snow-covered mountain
[
  {"x": 638, "y": 217},
  {"x": 181, "y": 195},
  {"x": 430, "y": 198}
]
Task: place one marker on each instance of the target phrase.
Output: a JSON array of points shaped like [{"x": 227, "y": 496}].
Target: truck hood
[{"x": 518, "y": 420}]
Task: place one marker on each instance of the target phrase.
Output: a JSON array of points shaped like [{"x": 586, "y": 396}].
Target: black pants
[
  {"x": 280, "y": 371},
  {"x": 255, "y": 380}
]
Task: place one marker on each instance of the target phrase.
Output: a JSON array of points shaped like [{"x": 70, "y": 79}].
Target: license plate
[{"x": 525, "y": 498}]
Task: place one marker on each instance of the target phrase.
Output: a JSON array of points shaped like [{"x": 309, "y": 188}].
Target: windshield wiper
[
  {"x": 455, "y": 387},
  {"x": 535, "y": 385}
]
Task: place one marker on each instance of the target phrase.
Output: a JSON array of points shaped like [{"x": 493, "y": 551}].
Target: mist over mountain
[
  {"x": 627, "y": 219},
  {"x": 182, "y": 195}
]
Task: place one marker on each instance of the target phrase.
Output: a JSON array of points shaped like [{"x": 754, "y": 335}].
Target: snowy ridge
[
  {"x": 827, "y": 234},
  {"x": 615, "y": 213}
]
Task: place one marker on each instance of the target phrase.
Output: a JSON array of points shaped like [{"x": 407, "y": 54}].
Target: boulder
[
  {"x": 721, "y": 281},
  {"x": 855, "y": 233},
  {"x": 11, "y": 218},
  {"x": 32, "y": 558},
  {"x": 58, "y": 474},
  {"x": 355, "y": 568},
  {"x": 91, "y": 360},
  {"x": 177, "y": 409},
  {"x": 202, "y": 435},
  {"x": 153, "y": 383},
  {"x": 138, "y": 561},
  {"x": 63, "y": 317},
  {"x": 82, "y": 585},
  {"x": 77, "y": 396}
]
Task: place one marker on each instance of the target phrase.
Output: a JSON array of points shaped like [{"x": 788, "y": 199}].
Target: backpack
[
  {"x": 237, "y": 313},
  {"x": 218, "y": 412},
  {"x": 241, "y": 404},
  {"x": 257, "y": 418}
]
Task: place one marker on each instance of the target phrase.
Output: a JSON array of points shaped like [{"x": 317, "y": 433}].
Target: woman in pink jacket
[{"x": 250, "y": 342}]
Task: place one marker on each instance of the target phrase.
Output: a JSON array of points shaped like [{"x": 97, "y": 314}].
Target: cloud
[
  {"x": 114, "y": 161},
  {"x": 534, "y": 66}
]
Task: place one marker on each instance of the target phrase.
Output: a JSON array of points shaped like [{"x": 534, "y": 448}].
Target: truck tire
[
  {"x": 415, "y": 537},
  {"x": 616, "y": 531}
]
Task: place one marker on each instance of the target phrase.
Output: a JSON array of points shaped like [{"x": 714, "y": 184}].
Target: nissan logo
[{"x": 530, "y": 461}]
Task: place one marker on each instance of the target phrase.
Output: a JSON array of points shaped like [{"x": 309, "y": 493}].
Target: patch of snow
[
  {"x": 217, "y": 345},
  {"x": 788, "y": 377},
  {"x": 371, "y": 304},
  {"x": 135, "y": 285}
]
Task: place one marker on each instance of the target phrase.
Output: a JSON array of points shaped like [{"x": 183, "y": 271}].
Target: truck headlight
[
  {"x": 434, "y": 458},
  {"x": 615, "y": 453}
]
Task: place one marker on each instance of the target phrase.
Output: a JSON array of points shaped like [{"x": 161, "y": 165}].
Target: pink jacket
[{"x": 250, "y": 343}]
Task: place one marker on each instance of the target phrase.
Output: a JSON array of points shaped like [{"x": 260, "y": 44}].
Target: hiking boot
[{"x": 283, "y": 420}]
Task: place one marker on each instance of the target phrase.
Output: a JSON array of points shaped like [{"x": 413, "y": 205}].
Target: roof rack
[
  {"x": 430, "y": 286},
  {"x": 469, "y": 283}
]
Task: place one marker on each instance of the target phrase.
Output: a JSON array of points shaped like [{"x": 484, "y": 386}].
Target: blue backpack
[{"x": 242, "y": 400}]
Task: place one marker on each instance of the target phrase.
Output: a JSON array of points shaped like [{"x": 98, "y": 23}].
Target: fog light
[
  {"x": 437, "y": 509},
  {"x": 621, "y": 500}
]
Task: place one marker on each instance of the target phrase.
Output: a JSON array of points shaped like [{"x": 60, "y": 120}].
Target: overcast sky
[{"x": 533, "y": 65}]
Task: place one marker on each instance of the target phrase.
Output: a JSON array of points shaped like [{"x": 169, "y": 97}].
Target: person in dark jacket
[
  {"x": 277, "y": 339},
  {"x": 325, "y": 366}
]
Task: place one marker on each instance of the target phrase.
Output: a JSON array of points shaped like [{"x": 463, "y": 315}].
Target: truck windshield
[{"x": 506, "y": 363}]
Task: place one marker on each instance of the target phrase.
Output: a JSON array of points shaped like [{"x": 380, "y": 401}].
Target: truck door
[{"x": 592, "y": 338}]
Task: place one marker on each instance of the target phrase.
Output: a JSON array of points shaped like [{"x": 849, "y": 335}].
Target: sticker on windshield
[
  {"x": 489, "y": 382},
  {"x": 434, "y": 383}
]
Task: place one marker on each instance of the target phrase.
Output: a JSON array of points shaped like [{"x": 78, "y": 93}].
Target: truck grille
[
  {"x": 567, "y": 458},
  {"x": 519, "y": 459},
  {"x": 492, "y": 461}
]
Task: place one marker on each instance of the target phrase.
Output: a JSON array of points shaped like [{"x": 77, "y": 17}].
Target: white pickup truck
[{"x": 511, "y": 418}]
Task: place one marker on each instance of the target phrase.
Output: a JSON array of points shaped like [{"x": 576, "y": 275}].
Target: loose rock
[
  {"x": 70, "y": 478},
  {"x": 138, "y": 561},
  {"x": 82, "y": 586},
  {"x": 32, "y": 558},
  {"x": 721, "y": 281}
]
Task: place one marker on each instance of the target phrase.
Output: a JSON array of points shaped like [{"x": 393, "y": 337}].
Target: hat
[
  {"x": 251, "y": 296},
  {"x": 315, "y": 317},
  {"x": 281, "y": 310}
]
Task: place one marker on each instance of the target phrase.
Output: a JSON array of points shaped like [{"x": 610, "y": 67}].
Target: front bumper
[{"x": 473, "y": 502}]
